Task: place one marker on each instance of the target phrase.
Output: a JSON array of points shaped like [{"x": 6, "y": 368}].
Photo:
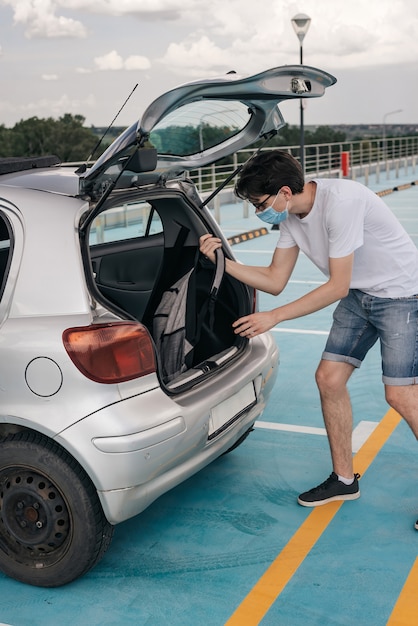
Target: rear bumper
[
  {"x": 121, "y": 504},
  {"x": 137, "y": 449}
]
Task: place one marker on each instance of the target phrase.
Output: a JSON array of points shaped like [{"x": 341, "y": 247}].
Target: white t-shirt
[{"x": 348, "y": 217}]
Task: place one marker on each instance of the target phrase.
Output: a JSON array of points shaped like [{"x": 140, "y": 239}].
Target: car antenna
[{"x": 83, "y": 167}]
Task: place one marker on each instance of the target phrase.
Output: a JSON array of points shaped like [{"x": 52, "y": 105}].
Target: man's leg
[
  {"x": 404, "y": 399},
  {"x": 332, "y": 378}
]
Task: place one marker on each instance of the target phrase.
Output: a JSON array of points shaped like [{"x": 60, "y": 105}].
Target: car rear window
[{"x": 128, "y": 221}]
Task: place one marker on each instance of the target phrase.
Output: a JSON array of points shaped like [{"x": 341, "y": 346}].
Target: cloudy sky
[{"x": 85, "y": 56}]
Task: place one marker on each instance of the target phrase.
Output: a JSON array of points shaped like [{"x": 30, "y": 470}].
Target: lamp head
[{"x": 301, "y": 23}]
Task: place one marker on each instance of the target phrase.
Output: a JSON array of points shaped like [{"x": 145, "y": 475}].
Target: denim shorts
[{"x": 360, "y": 320}]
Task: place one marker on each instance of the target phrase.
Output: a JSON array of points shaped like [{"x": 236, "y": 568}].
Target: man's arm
[
  {"x": 333, "y": 290},
  {"x": 271, "y": 279}
]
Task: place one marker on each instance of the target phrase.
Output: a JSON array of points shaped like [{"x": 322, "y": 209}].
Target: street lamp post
[
  {"x": 385, "y": 152},
  {"x": 301, "y": 23}
]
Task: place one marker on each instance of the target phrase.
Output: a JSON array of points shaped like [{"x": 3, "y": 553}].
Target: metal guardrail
[
  {"x": 355, "y": 159},
  {"x": 365, "y": 157},
  {"x": 362, "y": 158},
  {"x": 352, "y": 159}
]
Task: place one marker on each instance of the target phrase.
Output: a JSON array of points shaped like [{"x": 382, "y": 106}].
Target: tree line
[
  {"x": 71, "y": 141},
  {"x": 66, "y": 137}
]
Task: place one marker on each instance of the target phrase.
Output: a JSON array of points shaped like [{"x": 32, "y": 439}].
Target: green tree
[
  {"x": 183, "y": 140},
  {"x": 287, "y": 136},
  {"x": 290, "y": 136},
  {"x": 324, "y": 134},
  {"x": 65, "y": 137},
  {"x": 5, "y": 139}
]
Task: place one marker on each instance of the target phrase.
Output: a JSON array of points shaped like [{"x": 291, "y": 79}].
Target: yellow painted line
[
  {"x": 266, "y": 591},
  {"x": 369, "y": 450},
  {"x": 405, "y": 609}
]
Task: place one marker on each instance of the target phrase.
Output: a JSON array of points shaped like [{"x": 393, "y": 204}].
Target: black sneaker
[
  {"x": 416, "y": 525},
  {"x": 331, "y": 489}
]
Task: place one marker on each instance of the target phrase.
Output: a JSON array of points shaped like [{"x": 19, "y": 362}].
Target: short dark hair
[{"x": 267, "y": 172}]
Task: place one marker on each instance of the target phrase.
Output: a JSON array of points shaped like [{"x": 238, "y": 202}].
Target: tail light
[{"x": 111, "y": 353}]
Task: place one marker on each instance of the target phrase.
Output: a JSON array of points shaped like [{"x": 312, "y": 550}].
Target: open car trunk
[
  {"x": 145, "y": 223},
  {"x": 139, "y": 248}
]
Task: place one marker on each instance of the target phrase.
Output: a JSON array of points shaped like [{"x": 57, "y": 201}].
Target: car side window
[
  {"x": 127, "y": 221},
  {"x": 5, "y": 250}
]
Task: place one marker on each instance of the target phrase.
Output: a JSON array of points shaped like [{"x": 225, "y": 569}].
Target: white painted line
[
  {"x": 361, "y": 433},
  {"x": 299, "y": 331},
  {"x": 292, "y": 428},
  {"x": 263, "y": 251}
]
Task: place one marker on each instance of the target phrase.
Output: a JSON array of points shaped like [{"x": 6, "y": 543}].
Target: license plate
[{"x": 230, "y": 409}]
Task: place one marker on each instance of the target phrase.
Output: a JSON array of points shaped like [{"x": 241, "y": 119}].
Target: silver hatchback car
[{"x": 95, "y": 423}]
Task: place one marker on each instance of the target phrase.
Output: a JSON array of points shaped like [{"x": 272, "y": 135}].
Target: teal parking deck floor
[{"x": 231, "y": 546}]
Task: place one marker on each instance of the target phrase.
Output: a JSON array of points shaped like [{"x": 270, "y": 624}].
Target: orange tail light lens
[{"x": 111, "y": 353}]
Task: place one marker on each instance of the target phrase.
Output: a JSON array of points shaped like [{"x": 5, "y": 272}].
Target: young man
[{"x": 371, "y": 266}]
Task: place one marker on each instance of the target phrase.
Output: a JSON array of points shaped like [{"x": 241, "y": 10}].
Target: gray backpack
[{"x": 178, "y": 319}]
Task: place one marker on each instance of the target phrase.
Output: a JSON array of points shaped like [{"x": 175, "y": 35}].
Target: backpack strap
[
  {"x": 208, "y": 307},
  {"x": 217, "y": 279}
]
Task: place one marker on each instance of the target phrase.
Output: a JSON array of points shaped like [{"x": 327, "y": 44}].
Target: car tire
[{"x": 52, "y": 525}]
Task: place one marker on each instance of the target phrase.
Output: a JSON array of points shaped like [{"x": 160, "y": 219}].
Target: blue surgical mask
[{"x": 271, "y": 216}]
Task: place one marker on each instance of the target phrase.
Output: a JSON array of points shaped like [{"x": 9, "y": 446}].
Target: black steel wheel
[{"x": 52, "y": 525}]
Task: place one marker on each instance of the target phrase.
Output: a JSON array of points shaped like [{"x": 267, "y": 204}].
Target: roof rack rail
[{"x": 9, "y": 165}]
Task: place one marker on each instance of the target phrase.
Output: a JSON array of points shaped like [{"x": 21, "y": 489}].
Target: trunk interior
[{"x": 140, "y": 248}]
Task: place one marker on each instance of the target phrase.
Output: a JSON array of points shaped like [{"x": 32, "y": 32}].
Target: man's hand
[
  {"x": 255, "y": 324},
  {"x": 207, "y": 246}
]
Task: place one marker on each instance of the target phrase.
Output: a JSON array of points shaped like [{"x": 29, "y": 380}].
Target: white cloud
[
  {"x": 45, "y": 107},
  {"x": 191, "y": 56},
  {"x": 49, "y": 77},
  {"x": 39, "y": 19},
  {"x": 358, "y": 33},
  {"x": 238, "y": 35},
  {"x": 183, "y": 39},
  {"x": 163, "y": 9},
  {"x": 348, "y": 33},
  {"x": 110, "y": 61},
  {"x": 136, "y": 62},
  {"x": 114, "y": 61}
]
